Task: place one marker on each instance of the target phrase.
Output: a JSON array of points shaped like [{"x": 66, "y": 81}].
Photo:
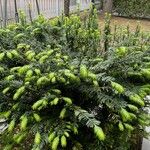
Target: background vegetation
[{"x": 132, "y": 8}]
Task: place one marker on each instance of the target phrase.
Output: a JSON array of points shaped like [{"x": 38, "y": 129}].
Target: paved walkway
[
  {"x": 120, "y": 21},
  {"x": 146, "y": 144}
]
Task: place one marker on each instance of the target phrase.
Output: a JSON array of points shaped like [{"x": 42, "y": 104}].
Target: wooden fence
[{"x": 49, "y": 8}]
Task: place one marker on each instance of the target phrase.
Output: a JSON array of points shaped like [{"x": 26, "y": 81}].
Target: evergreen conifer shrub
[{"x": 59, "y": 91}]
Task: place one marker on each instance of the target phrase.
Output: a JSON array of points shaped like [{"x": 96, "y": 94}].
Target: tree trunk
[
  {"x": 38, "y": 8},
  {"x": 108, "y": 4},
  {"x": 16, "y": 11},
  {"x": 93, "y": 3},
  {"x": 138, "y": 144},
  {"x": 66, "y": 7}
]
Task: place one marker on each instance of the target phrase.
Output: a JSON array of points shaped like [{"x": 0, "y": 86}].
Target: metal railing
[{"x": 49, "y": 8}]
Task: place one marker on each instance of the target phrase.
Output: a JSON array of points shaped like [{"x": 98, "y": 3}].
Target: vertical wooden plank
[
  {"x": 1, "y": 13},
  {"x": 25, "y": 9},
  {"x": 30, "y": 11},
  {"x": 40, "y": 5},
  {"x": 47, "y": 12},
  {"x": 62, "y": 6},
  {"x": 58, "y": 7},
  {"x": 10, "y": 12},
  {"x": 47, "y": 8},
  {"x": 52, "y": 7},
  {"x": 43, "y": 4},
  {"x": 55, "y": 9},
  {"x": 5, "y": 13},
  {"x": 33, "y": 8},
  {"x": 44, "y": 7}
]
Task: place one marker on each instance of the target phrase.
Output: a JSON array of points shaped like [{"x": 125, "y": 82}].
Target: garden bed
[{"x": 121, "y": 21}]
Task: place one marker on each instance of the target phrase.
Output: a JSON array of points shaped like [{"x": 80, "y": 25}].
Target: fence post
[
  {"x": 108, "y": 4},
  {"x": 66, "y": 7},
  {"x": 5, "y": 13},
  {"x": 16, "y": 11},
  {"x": 38, "y": 8}
]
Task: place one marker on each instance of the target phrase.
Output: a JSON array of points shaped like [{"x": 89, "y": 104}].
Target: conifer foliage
[{"x": 58, "y": 91}]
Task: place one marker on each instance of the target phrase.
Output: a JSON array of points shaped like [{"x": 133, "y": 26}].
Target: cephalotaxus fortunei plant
[{"x": 59, "y": 91}]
